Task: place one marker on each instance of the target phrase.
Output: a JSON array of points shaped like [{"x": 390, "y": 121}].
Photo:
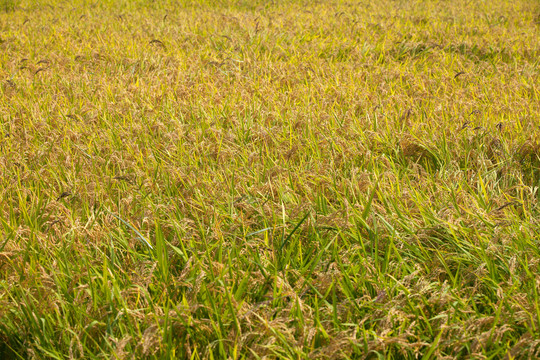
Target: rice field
[{"x": 288, "y": 179}]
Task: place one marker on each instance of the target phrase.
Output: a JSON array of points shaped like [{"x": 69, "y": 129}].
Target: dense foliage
[{"x": 286, "y": 179}]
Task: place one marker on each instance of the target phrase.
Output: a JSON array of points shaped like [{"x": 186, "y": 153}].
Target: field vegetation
[{"x": 269, "y": 179}]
